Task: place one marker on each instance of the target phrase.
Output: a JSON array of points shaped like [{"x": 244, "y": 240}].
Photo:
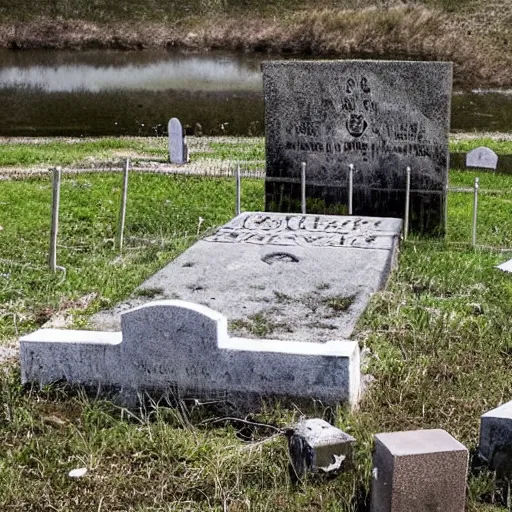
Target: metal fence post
[
  {"x": 122, "y": 213},
  {"x": 446, "y": 209},
  {"x": 52, "y": 257},
  {"x": 407, "y": 201},
  {"x": 238, "y": 190},
  {"x": 475, "y": 209},
  {"x": 303, "y": 186},
  {"x": 350, "y": 188}
]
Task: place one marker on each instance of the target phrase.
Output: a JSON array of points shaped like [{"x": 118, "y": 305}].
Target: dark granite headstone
[{"x": 381, "y": 116}]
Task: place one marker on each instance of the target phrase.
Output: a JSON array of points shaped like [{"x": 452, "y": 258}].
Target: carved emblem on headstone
[{"x": 356, "y": 125}]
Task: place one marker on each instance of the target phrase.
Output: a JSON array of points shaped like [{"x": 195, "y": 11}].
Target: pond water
[{"x": 48, "y": 93}]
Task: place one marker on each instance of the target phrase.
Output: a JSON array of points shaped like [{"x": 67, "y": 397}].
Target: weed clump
[{"x": 340, "y": 304}]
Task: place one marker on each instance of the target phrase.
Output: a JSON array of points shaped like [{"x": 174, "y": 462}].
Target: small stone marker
[
  {"x": 483, "y": 158},
  {"x": 178, "y": 150},
  {"x": 380, "y": 116},
  {"x": 496, "y": 435},
  {"x": 183, "y": 347},
  {"x": 419, "y": 471},
  {"x": 316, "y": 446}
]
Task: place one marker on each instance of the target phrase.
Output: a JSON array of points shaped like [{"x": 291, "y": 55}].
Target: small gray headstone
[
  {"x": 176, "y": 142},
  {"x": 483, "y": 158},
  {"x": 381, "y": 116}
]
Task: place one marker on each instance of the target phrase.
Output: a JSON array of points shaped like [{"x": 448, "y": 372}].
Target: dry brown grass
[{"x": 412, "y": 32}]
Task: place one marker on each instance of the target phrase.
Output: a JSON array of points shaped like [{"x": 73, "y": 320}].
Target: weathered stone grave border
[{"x": 184, "y": 347}]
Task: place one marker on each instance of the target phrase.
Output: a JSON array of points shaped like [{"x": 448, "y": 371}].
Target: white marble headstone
[
  {"x": 483, "y": 158},
  {"x": 176, "y": 153}
]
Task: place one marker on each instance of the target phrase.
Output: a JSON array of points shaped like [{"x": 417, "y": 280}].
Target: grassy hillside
[{"x": 476, "y": 35}]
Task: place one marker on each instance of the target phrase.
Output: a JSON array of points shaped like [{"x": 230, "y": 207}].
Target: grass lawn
[
  {"x": 85, "y": 152},
  {"x": 438, "y": 341}
]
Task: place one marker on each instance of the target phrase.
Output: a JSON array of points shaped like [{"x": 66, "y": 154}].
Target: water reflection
[
  {"x": 504, "y": 92},
  {"x": 47, "y": 93},
  {"x": 174, "y": 73}
]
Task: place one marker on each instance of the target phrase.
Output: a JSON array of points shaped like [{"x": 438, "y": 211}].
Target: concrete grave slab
[
  {"x": 288, "y": 277},
  {"x": 420, "y": 471},
  {"x": 482, "y": 158},
  {"x": 496, "y": 433},
  {"x": 184, "y": 348},
  {"x": 380, "y": 116}
]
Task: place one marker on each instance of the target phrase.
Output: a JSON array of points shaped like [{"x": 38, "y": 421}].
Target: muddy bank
[{"x": 397, "y": 33}]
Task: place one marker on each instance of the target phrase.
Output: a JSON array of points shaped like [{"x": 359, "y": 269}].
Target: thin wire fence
[
  {"x": 206, "y": 216},
  {"x": 168, "y": 208}
]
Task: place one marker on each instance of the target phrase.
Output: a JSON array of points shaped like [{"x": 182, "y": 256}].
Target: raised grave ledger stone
[
  {"x": 298, "y": 277},
  {"x": 419, "y": 471},
  {"x": 483, "y": 158},
  {"x": 299, "y": 281},
  {"x": 380, "y": 116}
]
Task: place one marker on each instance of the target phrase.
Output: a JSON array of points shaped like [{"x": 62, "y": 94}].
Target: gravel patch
[{"x": 8, "y": 353}]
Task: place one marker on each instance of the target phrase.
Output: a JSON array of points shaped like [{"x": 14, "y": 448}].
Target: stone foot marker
[
  {"x": 380, "y": 116},
  {"x": 179, "y": 347},
  {"x": 178, "y": 150},
  {"x": 317, "y": 447},
  {"x": 496, "y": 435},
  {"x": 419, "y": 471}
]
